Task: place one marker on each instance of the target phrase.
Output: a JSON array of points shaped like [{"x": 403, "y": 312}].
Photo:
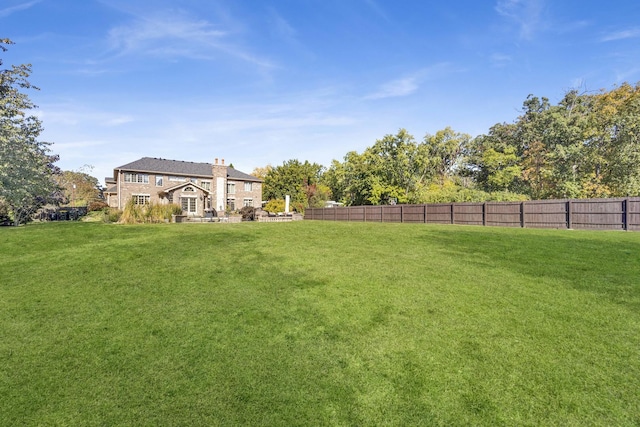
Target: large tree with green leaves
[
  {"x": 588, "y": 145},
  {"x": 26, "y": 163},
  {"x": 300, "y": 181}
]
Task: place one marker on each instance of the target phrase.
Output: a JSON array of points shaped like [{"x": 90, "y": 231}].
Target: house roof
[{"x": 178, "y": 167}]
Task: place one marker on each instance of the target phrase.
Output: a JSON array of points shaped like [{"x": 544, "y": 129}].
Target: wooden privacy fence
[{"x": 597, "y": 214}]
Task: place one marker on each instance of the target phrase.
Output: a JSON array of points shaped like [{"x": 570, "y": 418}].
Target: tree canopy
[
  {"x": 300, "y": 181},
  {"x": 26, "y": 163},
  {"x": 585, "y": 146}
]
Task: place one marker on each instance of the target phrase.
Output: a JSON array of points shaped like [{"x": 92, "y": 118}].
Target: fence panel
[
  {"x": 546, "y": 214},
  {"x": 342, "y": 214},
  {"x": 504, "y": 214},
  {"x": 414, "y": 213},
  {"x": 373, "y": 213},
  {"x": 599, "y": 214},
  {"x": 392, "y": 214},
  {"x": 633, "y": 215},
  {"x": 469, "y": 214},
  {"x": 439, "y": 213}
]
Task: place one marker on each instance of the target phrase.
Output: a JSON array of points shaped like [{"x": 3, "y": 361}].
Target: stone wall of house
[{"x": 242, "y": 197}]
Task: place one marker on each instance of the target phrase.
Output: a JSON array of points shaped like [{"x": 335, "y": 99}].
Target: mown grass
[{"x": 318, "y": 323}]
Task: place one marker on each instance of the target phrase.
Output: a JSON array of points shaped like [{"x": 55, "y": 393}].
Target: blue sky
[{"x": 259, "y": 82}]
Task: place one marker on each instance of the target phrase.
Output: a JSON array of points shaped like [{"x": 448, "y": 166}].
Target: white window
[
  {"x": 136, "y": 177},
  {"x": 206, "y": 185},
  {"x": 231, "y": 188},
  {"x": 231, "y": 204},
  {"x": 188, "y": 204},
  {"x": 247, "y": 202},
  {"x": 177, "y": 178},
  {"x": 159, "y": 180},
  {"x": 141, "y": 199},
  {"x": 190, "y": 189},
  {"x": 248, "y": 186}
]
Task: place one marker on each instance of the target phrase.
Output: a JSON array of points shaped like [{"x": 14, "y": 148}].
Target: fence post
[
  {"x": 484, "y": 213},
  {"x": 401, "y": 214},
  {"x": 452, "y": 214},
  {"x": 425, "y": 214},
  {"x": 521, "y": 214},
  {"x": 625, "y": 214},
  {"x": 569, "y": 214}
]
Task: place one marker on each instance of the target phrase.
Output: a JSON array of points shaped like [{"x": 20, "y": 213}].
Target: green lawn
[{"x": 318, "y": 323}]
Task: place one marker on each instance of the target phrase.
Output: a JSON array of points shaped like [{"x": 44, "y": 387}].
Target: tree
[
  {"x": 26, "y": 165},
  {"x": 296, "y": 179},
  {"x": 78, "y": 187},
  {"x": 397, "y": 169},
  {"x": 261, "y": 173},
  {"x": 615, "y": 146},
  {"x": 445, "y": 151}
]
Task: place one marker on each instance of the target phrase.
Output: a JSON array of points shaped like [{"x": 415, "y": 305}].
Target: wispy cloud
[
  {"x": 22, "y": 6},
  {"x": 281, "y": 26},
  {"x": 500, "y": 59},
  {"x": 629, "y": 74},
  {"x": 396, "y": 88},
  {"x": 60, "y": 114},
  {"x": 373, "y": 5},
  {"x": 175, "y": 34},
  {"x": 408, "y": 85},
  {"x": 526, "y": 14},
  {"x": 629, "y": 33}
]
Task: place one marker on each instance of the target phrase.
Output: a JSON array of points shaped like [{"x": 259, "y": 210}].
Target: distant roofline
[{"x": 146, "y": 168}]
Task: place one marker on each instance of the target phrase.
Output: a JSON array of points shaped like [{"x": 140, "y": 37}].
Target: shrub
[
  {"x": 248, "y": 213},
  {"x": 151, "y": 213},
  {"x": 96, "y": 205},
  {"x": 112, "y": 215},
  {"x": 275, "y": 206}
]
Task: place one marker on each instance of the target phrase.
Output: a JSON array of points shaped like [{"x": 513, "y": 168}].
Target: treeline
[{"x": 588, "y": 145}]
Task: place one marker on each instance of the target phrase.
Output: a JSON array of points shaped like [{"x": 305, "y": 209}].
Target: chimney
[
  {"x": 222, "y": 162},
  {"x": 216, "y": 162}
]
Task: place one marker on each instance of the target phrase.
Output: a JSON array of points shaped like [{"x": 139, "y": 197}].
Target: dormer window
[{"x": 189, "y": 189}]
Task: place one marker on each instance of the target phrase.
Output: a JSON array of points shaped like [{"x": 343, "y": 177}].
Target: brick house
[{"x": 198, "y": 187}]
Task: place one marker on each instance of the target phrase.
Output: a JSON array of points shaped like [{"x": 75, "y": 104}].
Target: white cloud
[
  {"x": 621, "y": 35},
  {"x": 396, "y": 88},
  {"x": 408, "y": 85},
  {"x": 526, "y": 14},
  {"x": 174, "y": 33},
  {"x": 12, "y": 9}
]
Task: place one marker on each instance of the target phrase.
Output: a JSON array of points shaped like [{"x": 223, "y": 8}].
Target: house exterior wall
[
  {"x": 156, "y": 184},
  {"x": 242, "y": 197}
]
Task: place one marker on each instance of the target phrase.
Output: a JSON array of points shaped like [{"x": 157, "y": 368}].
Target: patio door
[{"x": 188, "y": 205}]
